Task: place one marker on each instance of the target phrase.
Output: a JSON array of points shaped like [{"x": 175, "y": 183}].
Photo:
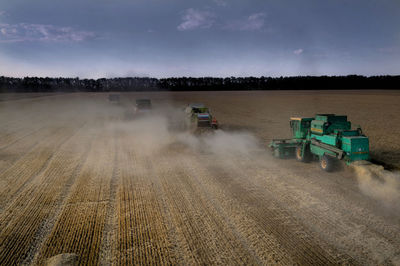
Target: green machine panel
[{"x": 356, "y": 147}]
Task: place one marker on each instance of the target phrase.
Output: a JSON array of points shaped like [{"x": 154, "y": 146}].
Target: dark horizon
[
  {"x": 199, "y": 77},
  {"x": 349, "y": 82}
]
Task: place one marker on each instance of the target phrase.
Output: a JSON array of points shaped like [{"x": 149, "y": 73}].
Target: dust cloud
[
  {"x": 163, "y": 129},
  {"x": 380, "y": 184},
  {"x": 221, "y": 143},
  {"x": 147, "y": 135}
]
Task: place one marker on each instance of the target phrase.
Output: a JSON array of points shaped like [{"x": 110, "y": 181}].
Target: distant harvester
[{"x": 198, "y": 116}]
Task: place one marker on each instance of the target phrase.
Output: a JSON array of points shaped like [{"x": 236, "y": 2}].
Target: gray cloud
[
  {"x": 298, "y": 51},
  {"x": 253, "y": 22},
  {"x": 389, "y": 49},
  {"x": 196, "y": 19},
  {"x": 221, "y": 2},
  {"x": 23, "y": 32}
]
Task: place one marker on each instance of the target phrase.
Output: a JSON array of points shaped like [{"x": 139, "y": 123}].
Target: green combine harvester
[
  {"x": 327, "y": 137},
  {"x": 199, "y": 118}
]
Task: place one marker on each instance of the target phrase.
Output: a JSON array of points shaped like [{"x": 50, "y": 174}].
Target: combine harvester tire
[
  {"x": 303, "y": 157},
  {"x": 327, "y": 163}
]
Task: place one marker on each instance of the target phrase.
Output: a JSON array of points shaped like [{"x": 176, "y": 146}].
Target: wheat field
[{"x": 79, "y": 175}]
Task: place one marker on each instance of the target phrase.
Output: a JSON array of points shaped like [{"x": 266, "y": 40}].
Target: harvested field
[{"x": 79, "y": 178}]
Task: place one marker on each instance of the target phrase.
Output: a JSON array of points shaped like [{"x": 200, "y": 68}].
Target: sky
[{"x": 219, "y": 38}]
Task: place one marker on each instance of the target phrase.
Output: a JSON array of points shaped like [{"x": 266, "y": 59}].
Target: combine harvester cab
[
  {"x": 327, "y": 137},
  {"x": 199, "y": 118},
  {"x": 287, "y": 148}
]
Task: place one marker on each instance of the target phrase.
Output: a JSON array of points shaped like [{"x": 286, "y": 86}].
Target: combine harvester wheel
[
  {"x": 301, "y": 156},
  {"x": 327, "y": 163}
]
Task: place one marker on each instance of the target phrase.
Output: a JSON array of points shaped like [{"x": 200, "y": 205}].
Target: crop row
[
  {"x": 317, "y": 198},
  {"x": 23, "y": 220},
  {"x": 201, "y": 232},
  {"x": 20, "y": 118},
  {"x": 142, "y": 233},
  {"x": 27, "y": 166},
  {"x": 80, "y": 226},
  {"x": 30, "y": 165},
  {"x": 271, "y": 217},
  {"x": 262, "y": 246},
  {"x": 12, "y": 152}
]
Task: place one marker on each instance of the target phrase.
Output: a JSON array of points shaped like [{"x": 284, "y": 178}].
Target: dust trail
[
  {"x": 221, "y": 143},
  {"x": 148, "y": 134},
  {"x": 153, "y": 132},
  {"x": 380, "y": 184}
]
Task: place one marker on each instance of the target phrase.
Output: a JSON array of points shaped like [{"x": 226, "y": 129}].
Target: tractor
[
  {"x": 198, "y": 117},
  {"x": 327, "y": 137}
]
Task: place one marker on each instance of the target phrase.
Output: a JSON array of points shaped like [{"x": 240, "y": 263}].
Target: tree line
[{"x": 355, "y": 82}]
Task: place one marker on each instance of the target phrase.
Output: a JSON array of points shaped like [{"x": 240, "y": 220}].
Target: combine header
[{"x": 328, "y": 137}]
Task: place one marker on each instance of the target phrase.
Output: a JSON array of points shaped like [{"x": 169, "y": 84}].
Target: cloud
[
  {"x": 2, "y": 13},
  {"x": 196, "y": 19},
  {"x": 23, "y": 32},
  {"x": 389, "y": 49},
  {"x": 298, "y": 51},
  {"x": 253, "y": 22},
  {"x": 221, "y": 2}
]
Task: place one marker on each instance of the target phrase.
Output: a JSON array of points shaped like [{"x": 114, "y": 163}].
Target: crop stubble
[{"x": 73, "y": 182}]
